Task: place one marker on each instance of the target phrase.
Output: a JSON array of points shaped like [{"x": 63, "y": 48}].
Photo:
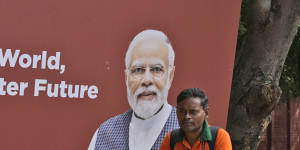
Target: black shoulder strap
[
  {"x": 214, "y": 132},
  {"x": 176, "y": 136}
]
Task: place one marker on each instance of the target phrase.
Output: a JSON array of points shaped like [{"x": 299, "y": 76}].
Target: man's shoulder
[
  {"x": 223, "y": 141},
  {"x": 218, "y": 132},
  {"x": 113, "y": 132},
  {"x": 117, "y": 121},
  {"x": 222, "y": 132}
]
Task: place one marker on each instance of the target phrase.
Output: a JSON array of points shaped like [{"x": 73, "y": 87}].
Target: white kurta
[{"x": 143, "y": 133}]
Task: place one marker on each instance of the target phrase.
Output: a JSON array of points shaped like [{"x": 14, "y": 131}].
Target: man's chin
[
  {"x": 187, "y": 129},
  {"x": 147, "y": 108}
]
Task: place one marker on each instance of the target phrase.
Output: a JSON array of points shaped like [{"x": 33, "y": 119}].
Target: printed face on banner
[{"x": 148, "y": 79}]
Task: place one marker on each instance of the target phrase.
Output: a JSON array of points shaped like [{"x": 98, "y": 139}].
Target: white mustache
[
  {"x": 145, "y": 89},
  {"x": 146, "y": 108}
]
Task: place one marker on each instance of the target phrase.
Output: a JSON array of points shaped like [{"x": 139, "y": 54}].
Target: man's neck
[
  {"x": 192, "y": 137},
  {"x": 153, "y": 115}
]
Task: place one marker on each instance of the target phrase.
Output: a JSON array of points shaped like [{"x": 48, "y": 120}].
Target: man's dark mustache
[{"x": 187, "y": 122}]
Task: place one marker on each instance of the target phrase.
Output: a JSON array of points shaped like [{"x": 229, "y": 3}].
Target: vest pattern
[{"x": 113, "y": 134}]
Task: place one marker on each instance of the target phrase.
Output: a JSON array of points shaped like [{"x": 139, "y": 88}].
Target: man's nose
[
  {"x": 187, "y": 116},
  {"x": 147, "y": 79}
]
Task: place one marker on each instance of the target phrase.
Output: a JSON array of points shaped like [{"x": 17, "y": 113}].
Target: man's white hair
[{"x": 147, "y": 34}]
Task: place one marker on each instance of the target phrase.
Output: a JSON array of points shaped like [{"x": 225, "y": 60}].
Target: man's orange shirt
[{"x": 223, "y": 142}]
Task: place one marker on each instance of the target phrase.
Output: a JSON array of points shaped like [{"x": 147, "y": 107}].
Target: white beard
[{"x": 147, "y": 108}]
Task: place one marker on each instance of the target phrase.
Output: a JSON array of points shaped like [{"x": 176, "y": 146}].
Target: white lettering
[
  {"x": 56, "y": 60},
  {"x": 44, "y": 55},
  {"x": 23, "y": 63},
  {"x": 62, "y": 69},
  {"x": 75, "y": 94},
  {"x": 38, "y": 87},
  {"x": 25, "y": 60},
  {"x": 12, "y": 59},
  {"x": 92, "y": 92},
  {"x": 53, "y": 93},
  {"x": 64, "y": 90},
  {"x": 36, "y": 58},
  {"x": 63, "y": 86},
  {"x": 83, "y": 88},
  {"x": 2, "y": 85},
  {"x": 23, "y": 86},
  {"x": 12, "y": 87}
]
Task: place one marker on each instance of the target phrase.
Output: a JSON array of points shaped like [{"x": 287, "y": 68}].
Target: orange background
[{"x": 93, "y": 37}]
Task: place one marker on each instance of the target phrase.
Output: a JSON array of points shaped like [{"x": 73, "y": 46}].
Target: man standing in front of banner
[
  {"x": 195, "y": 133},
  {"x": 149, "y": 74}
]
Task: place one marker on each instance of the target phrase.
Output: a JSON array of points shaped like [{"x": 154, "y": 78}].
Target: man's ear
[
  {"x": 206, "y": 112},
  {"x": 172, "y": 75}
]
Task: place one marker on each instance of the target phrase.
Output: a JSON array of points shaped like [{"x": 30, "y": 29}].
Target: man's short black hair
[{"x": 193, "y": 92}]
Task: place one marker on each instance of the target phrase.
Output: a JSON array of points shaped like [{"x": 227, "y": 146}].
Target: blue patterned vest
[{"x": 113, "y": 134}]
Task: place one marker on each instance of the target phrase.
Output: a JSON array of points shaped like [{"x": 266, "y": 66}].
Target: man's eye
[
  {"x": 192, "y": 112},
  {"x": 180, "y": 110},
  {"x": 157, "y": 69},
  {"x": 137, "y": 70}
]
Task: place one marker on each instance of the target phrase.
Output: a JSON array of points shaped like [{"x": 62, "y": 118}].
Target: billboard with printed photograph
[{"x": 62, "y": 63}]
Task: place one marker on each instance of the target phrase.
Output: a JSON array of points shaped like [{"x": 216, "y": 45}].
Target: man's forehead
[
  {"x": 190, "y": 102},
  {"x": 150, "y": 50},
  {"x": 147, "y": 61}
]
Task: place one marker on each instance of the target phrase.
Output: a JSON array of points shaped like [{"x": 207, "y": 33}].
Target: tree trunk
[{"x": 272, "y": 25}]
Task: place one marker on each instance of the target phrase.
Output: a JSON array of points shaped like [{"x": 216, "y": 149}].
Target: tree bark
[{"x": 272, "y": 25}]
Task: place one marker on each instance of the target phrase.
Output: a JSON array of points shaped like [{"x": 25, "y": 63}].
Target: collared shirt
[
  {"x": 143, "y": 133},
  {"x": 222, "y": 142}
]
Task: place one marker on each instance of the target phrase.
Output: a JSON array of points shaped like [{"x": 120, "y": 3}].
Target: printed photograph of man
[
  {"x": 149, "y": 74},
  {"x": 195, "y": 133}
]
